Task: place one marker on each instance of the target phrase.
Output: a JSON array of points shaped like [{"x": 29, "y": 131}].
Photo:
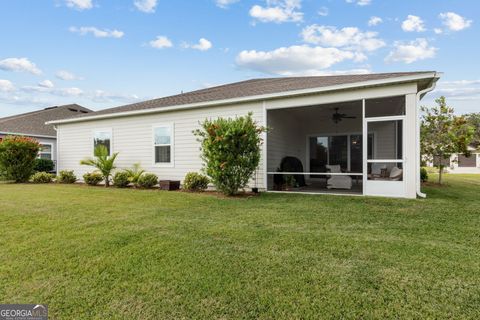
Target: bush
[
  {"x": 66, "y": 176},
  {"x": 231, "y": 151},
  {"x": 195, "y": 182},
  {"x": 104, "y": 163},
  {"x": 93, "y": 178},
  {"x": 43, "y": 165},
  {"x": 134, "y": 174},
  {"x": 147, "y": 180},
  {"x": 42, "y": 177},
  {"x": 423, "y": 175},
  {"x": 121, "y": 179},
  {"x": 17, "y": 157}
]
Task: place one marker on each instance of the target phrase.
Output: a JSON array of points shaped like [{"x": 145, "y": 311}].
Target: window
[
  {"x": 103, "y": 138},
  {"x": 45, "y": 151},
  {"x": 162, "y": 143}
]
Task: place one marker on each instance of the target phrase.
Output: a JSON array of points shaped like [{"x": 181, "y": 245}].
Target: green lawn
[{"x": 96, "y": 253}]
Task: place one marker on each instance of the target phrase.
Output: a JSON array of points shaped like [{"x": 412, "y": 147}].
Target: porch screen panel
[
  {"x": 387, "y": 144},
  {"x": 385, "y": 152}
]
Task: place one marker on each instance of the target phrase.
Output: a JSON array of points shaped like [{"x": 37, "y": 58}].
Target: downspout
[
  {"x": 56, "y": 149},
  {"x": 420, "y": 94}
]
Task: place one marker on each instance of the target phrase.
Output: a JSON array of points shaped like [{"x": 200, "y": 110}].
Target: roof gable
[{"x": 33, "y": 123}]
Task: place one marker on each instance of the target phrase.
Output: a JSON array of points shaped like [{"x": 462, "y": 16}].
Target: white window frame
[
  {"x": 171, "y": 126},
  {"x": 110, "y": 131},
  {"x": 51, "y": 150}
]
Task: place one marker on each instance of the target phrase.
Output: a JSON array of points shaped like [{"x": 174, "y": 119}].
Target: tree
[
  {"x": 443, "y": 134},
  {"x": 103, "y": 162},
  {"x": 231, "y": 151},
  {"x": 17, "y": 157},
  {"x": 473, "y": 119}
]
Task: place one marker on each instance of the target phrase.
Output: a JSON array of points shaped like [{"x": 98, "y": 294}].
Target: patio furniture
[
  {"x": 396, "y": 174},
  {"x": 338, "y": 181}
]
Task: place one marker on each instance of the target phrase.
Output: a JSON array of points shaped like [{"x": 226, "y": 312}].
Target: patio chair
[
  {"x": 338, "y": 182},
  {"x": 396, "y": 174}
]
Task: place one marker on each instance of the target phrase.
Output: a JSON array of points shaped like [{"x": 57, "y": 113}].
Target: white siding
[{"x": 133, "y": 139}]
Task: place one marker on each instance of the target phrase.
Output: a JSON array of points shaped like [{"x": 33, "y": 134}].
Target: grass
[{"x": 96, "y": 253}]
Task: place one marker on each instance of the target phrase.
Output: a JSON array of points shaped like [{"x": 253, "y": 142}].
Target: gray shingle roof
[
  {"x": 33, "y": 123},
  {"x": 253, "y": 87}
]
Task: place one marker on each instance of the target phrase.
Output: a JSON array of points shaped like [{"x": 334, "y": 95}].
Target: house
[
  {"x": 32, "y": 124},
  {"x": 354, "y": 134},
  {"x": 459, "y": 163}
]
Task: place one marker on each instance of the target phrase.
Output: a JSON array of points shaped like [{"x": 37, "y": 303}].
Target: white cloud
[
  {"x": 360, "y": 2},
  {"x": 225, "y": 3},
  {"x": 67, "y": 75},
  {"x": 413, "y": 23},
  {"x": 19, "y": 65},
  {"x": 278, "y": 11},
  {"x": 454, "y": 22},
  {"x": 147, "y": 6},
  {"x": 97, "y": 33},
  {"x": 202, "y": 45},
  {"x": 294, "y": 60},
  {"x": 323, "y": 11},
  {"x": 374, "y": 21},
  {"x": 68, "y": 92},
  {"x": 161, "y": 42},
  {"x": 6, "y": 86},
  {"x": 103, "y": 96},
  {"x": 350, "y": 38},
  {"x": 79, "y": 4},
  {"x": 438, "y": 31},
  {"x": 459, "y": 89},
  {"x": 412, "y": 51},
  {"x": 46, "y": 84}
]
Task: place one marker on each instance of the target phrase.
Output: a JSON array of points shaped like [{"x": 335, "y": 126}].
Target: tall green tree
[
  {"x": 104, "y": 163},
  {"x": 443, "y": 134},
  {"x": 473, "y": 119}
]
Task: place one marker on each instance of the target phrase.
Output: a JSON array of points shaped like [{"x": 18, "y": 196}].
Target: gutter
[
  {"x": 355, "y": 85},
  {"x": 27, "y": 135},
  {"x": 420, "y": 95}
]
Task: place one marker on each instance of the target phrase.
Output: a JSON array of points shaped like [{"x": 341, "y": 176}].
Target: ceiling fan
[{"x": 337, "y": 117}]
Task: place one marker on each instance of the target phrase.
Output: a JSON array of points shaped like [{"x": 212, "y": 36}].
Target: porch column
[{"x": 409, "y": 142}]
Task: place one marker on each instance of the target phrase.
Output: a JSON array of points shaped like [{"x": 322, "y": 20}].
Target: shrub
[
  {"x": 231, "y": 151},
  {"x": 147, "y": 180},
  {"x": 423, "y": 175},
  {"x": 195, "y": 182},
  {"x": 17, "y": 157},
  {"x": 43, "y": 165},
  {"x": 93, "y": 178},
  {"x": 121, "y": 179},
  {"x": 134, "y": 174},
  {"x": 103, "y": 162},
  {"x": 66, "y": 176},
  {"x": 42, "y": 177}
]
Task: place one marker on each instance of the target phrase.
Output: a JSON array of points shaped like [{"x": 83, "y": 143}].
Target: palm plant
[
  {"x": 104, "y": 163},
  {"x": 134, "y": 174}
]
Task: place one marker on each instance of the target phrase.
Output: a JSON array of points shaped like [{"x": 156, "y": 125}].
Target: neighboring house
[
  {"x": 459, "y": 163},
  {"x": 365, "y": 128},
  {"x": 32, "y": 124}
]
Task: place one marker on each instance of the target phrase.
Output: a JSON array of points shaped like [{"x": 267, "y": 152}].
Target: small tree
[
  {"x": 17, "y": 157},
  {"x": 443, "y": 134},
  {"x": 231, "y": 151},
  {"x": 103, "y": 162}
]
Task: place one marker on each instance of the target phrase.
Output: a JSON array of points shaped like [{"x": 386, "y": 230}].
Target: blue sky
[{"x": 101, "y": 53}]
